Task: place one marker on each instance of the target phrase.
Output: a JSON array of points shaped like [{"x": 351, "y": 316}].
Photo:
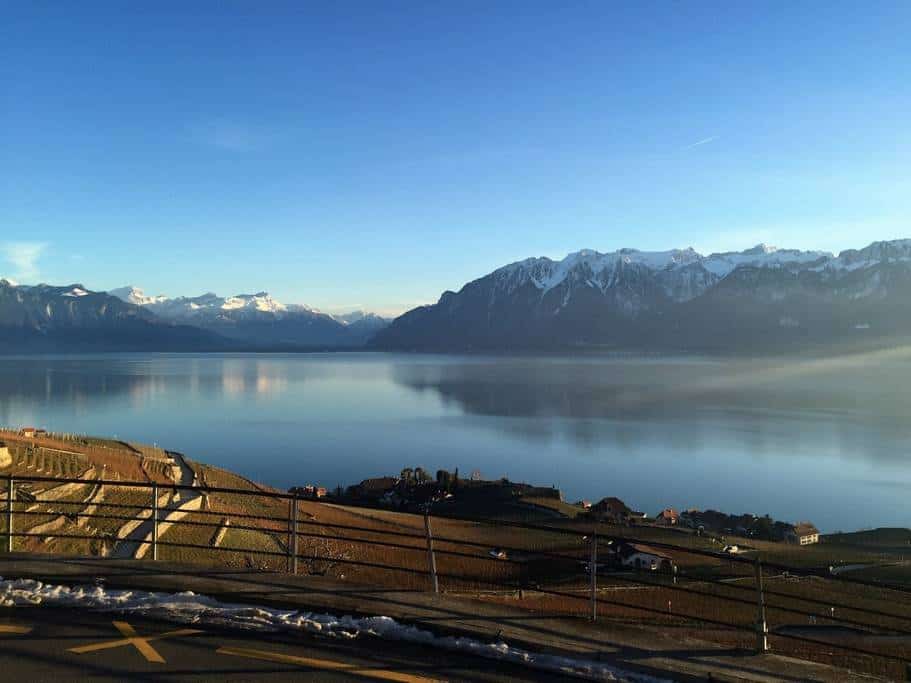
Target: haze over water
[{"x": 824, "y": 440}]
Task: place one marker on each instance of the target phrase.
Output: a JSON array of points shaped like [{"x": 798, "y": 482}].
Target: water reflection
[
  {"x": 846, "y": 406},
  {"x": 733, "y": 434},
  {"x": 63, "y": 381}
]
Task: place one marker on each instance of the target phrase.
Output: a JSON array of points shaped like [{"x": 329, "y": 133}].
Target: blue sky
[{"x": 374, "y": 153}]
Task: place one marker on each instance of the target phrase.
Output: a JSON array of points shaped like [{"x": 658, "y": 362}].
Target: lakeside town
[{"x": 447, "y": 493}]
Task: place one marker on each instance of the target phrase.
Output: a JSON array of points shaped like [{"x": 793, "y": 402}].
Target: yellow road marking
[
  {"x": 15, "y": 630},
  {"x": 141, "y": 643},
  {"x": 353, "y": 669}
]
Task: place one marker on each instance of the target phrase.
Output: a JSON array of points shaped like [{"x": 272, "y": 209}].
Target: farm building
[
  {"x": 638, "y": 556},
  {"x": 373, "y": 489},
  {"x": 611, "y": 510},
  {"x": 803, "y": 533}
]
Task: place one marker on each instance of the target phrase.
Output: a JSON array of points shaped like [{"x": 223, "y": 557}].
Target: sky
[{"x": 373, "y": 154}]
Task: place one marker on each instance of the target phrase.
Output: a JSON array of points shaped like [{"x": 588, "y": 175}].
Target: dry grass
[{"x": 719, "y": 590}]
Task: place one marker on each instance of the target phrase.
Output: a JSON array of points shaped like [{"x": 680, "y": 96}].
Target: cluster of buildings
[
  {"x": 309, "y": 491},
  {"x": 415, "y": 488},
  {"x": 612, "y": 510}
]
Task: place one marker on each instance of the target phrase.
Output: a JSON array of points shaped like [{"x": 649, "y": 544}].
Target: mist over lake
[{"x": 825, "y": 440}]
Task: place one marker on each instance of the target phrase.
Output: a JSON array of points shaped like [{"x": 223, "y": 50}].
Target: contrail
[{"x": 702, "y": 142}]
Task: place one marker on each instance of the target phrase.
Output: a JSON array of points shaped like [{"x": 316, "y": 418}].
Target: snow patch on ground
[{"x": 191, "y": 608}]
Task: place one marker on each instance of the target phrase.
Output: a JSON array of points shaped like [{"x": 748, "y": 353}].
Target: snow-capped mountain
[
  {"x": 134, "y": 295},
  {"x": 670, "y": 299},
  {"x": 257, "y": 318},
  {"x": 45, "y": 317}
]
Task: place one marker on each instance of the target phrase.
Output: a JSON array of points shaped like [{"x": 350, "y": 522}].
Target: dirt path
[{"x": 130, "y": 546}]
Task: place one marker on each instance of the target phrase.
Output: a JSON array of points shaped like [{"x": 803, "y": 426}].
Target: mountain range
[
  {"x": 259, "y": 319},
  {"x": 761, "y": 299},
  {"x": 45, "y": 318}
]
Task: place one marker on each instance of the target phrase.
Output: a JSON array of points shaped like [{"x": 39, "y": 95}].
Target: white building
[
  {"x": 803, "y": 533},
  {"x": 637, "y": 556}
]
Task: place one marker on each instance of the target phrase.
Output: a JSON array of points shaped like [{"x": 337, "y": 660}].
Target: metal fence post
[
  {"x": 431, "y": 557},
  {"x": 290, "y": 542},
  {"x": 154, "y": 521},
  {"x": 294, "y": 535},
  {"x": 9, "y": 513},
  {"x": 593, "y": 573},
  {"x": 762, "y": 628}
]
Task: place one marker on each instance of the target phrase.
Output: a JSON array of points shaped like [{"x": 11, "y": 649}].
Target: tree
[
  {"x": 420, "y": 476},
  {"x": 407, "y": 474}
]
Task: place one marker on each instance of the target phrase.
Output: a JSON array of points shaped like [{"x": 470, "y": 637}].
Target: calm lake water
[{"x": 824, "y": 440}]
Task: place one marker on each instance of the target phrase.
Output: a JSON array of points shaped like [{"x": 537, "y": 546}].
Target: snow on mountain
[
  {"x": 675, "y": 267},
  {"x": 359, "y": 318},
  {"x": 683, "y": 299},
  {"x": 895, "y": 251},
  {"x": 258, "y": 318},
  {"x": 47, "y": 318},
  {"x": 134, "y": 295},
  {"x": 208, "y": 305},
  {"x": 761, "y": 256},
  {"x": 597, "y": 268}
]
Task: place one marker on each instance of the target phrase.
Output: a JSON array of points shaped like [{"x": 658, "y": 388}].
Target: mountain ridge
[
  {"x": 671, "y": 300},
  {"x": 258, "y": 318}
]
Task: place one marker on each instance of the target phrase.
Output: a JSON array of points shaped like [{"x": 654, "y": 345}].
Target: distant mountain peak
[
  {"x": 134, "y": 295},
  {"x": 761, "y": 248}
]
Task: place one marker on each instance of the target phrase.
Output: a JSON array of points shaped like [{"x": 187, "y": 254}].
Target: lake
[{"x": 825, "y": 440}]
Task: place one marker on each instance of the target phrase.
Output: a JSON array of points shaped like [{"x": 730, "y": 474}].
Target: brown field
[{"x": 713, "y": 598}]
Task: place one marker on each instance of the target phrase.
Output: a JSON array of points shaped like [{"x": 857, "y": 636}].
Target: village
[{"x": 446, "y": 493}]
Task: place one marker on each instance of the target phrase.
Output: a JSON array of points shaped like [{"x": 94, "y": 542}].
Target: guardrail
[{"x": 574, "y": 570}]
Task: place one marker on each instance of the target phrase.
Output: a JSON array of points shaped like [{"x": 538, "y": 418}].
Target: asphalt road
[{"x": 48, "y": 644}]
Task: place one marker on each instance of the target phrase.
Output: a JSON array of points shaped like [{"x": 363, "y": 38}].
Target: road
[
  {"x": 48, "y": 644},
  {"x": 128, "y": 547}
]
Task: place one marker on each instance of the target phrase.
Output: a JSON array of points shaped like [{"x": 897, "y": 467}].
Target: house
[
  {"x": 373, "y": 488},
  {"x": 667, "y": 517},
  {"x": 611, "y": 510},
  {"x": 5, "y": 458},
  {"x": 803, "y": 533},
  {"x": 309, "y": 491},
  {"x": 638, "y": 556},
  {"x": 28, "y": 432}
]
